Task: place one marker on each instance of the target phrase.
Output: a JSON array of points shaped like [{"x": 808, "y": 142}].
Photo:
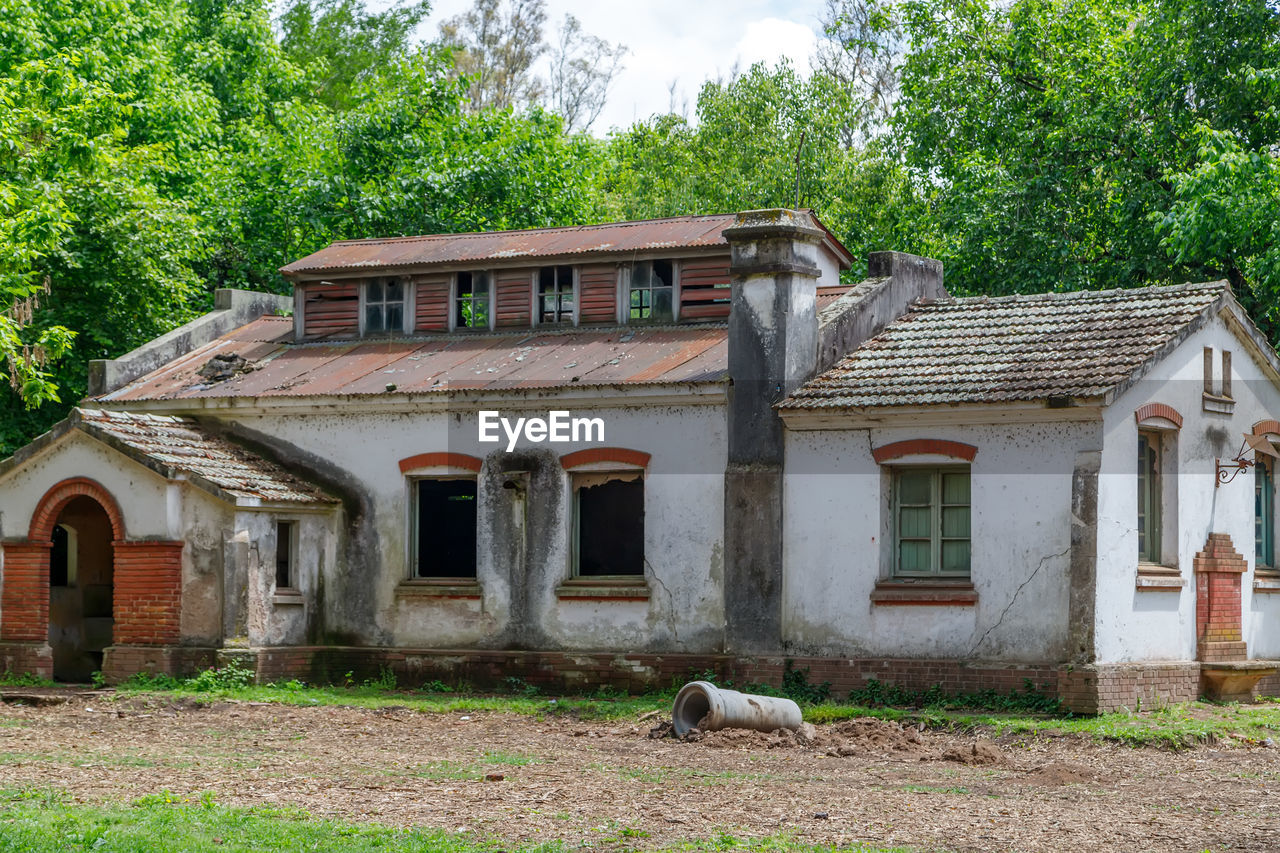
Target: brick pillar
[
  {"x": 24, "y": 599},
  {"x": 148, "y": 593},
  {"x": 1219, "y": 569}
]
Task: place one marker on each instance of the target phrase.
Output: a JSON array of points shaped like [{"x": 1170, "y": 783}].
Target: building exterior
[{"x": 619, "y": 453}]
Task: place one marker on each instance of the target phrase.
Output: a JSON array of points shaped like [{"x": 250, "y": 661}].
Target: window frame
[
  {"x": 1264, "y": 514},
  {"x": 936, "y": 508},
  {"x": 455, "y": 300},
  {"x": 414, "y": 573},
  {"x": 291, "y": 567},
  {"x": 1150, "y": 485},
  {"x": 574, "y": 295},
  {"x": 625, "y": 277},
  {"x": 636, "y": 475},
  {"x": 405, "y": 302}
]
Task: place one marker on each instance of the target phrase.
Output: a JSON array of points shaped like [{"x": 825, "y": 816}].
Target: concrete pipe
[{"x": 729, "y": 709}]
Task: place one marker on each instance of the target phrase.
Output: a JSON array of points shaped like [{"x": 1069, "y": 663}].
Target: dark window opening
[
  {"x": 1149, "y": 497},
  {"x": 472, "y": 302},
  {"x": 610, "y": 528},
  {"x": 651, "y": 292},
  {"x": 1264, "y": 514},
  {"x": 59, "y": 557},
  {"x": 284, "y": 555},
  {"x": 446, "y": 529},
  {"x": 555, "y": 295},
  {"x": 384, "y": 306}
]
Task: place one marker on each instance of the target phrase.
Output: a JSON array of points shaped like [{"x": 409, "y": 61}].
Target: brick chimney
[{"x": 773, "y": 348}]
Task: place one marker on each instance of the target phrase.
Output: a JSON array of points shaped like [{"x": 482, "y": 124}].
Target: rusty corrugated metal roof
[
  {"x": 550, "y": 358},
  {"x": 180, "y": 445},
  {"x": 610, "y": 238},
  {"x": 1011, "y": 348},
  {"x": 682, "y": 232}
]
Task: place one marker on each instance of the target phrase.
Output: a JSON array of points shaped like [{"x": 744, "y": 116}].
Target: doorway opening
[{"x": 81, "y": 589}]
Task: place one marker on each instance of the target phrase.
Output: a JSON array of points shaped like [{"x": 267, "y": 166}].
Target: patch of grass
[
  {"x": 934, "y": 789},
  {"x": 1029, "y": 699},
  {"x": 8, "y": 678},
  {"x": 44, "y": 819}
]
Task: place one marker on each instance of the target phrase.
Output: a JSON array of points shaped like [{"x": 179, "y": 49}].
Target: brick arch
[
  {"x": 924, "y": 447},
  {"x": 592, "y": 455},
  {"x": 441, "y": 459},
  {"x": 1267, "y": 427},
  {"x": 1159, "y": 410},
  {"x": 46, "y": 514}
]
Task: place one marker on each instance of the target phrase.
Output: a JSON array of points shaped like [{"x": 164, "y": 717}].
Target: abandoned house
[{"x": 619, "y": 453}]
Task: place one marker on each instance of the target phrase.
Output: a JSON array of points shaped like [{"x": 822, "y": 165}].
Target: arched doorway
[{"x": 81, "y": 588}]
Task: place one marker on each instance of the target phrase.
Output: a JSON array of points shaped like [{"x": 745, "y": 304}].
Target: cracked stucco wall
[{"x": 837, "y": 520}]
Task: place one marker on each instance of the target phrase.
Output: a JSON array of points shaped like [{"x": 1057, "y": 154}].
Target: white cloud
[{"x": 684, "y": 42}]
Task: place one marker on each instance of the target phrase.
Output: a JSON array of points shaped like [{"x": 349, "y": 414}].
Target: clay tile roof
[
  {"x": 176, "y": 445},
  {"x": 1010, "y": 348}
]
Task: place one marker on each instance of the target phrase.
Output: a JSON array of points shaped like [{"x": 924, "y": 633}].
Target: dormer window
[
  {"x": 384, "y": 306},
  {"x": 555, "y": 295},
  {"x": 473, "y": 292},
  {"x": 651, "y": 292}
]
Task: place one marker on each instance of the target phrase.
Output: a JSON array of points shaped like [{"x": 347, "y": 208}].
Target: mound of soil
[
  {"x": 978, "y": 752},
  {"x": 1058, "y": 773}
]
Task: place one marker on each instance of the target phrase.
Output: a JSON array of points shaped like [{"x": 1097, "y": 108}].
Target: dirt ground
[{"x": 610, "y": 786}]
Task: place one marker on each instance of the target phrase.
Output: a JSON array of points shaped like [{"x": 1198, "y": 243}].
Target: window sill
[
  {"x": 1155, "y": 577},
  {"x": 605, "y": 588},
  {"x": 1218, "y": 405},
  {"x": 288, "y": 598},
  {"x": 439, "y": 588},
  {"x": 1266, "y": 581},
  {"x": 926, "y": 592}
]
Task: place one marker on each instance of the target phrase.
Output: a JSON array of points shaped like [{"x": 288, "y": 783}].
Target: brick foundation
[
  {"x": 26, "y": 658},
  {"x": 1099, "y": 688},
  {"x": 119, "y": 661}
]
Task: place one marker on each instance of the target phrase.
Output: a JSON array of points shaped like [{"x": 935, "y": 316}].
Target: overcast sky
[{"x": 681, "y": 41}]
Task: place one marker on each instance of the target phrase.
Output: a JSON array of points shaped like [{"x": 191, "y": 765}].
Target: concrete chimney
[{"x": 773, "y": 348}]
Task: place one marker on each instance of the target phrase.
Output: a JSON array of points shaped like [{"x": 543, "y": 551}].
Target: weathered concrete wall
[
  {"x": 1136, "y": 624},
  {"x": 524, "y": 532},
  {"x": 838, "y": 545},
  {"x": 232, "y": 309}
]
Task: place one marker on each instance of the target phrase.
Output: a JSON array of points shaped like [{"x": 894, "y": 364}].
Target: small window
[
  {"x": 285, "y": 559},
  {"x": 471, "y": 304},
  {"x": 384, "y": 306},
  {"x": 608, "y": 522},
  {"x": 1150, "y": 497},
  {"x": 931, "y": 521},
  {"x": 651, "y": 292},
  {"x": 1264, "y": 513},
  {"x": 445, "y": 529},
  {"x": 555, "y": 295}
]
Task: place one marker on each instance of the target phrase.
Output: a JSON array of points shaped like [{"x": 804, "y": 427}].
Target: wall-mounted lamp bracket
[{"x": 1225, "y": 472}]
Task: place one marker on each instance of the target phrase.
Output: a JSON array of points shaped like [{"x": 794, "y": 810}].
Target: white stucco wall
[
  {"x": 1140, "y": 624},
  {"x": 837, "y": 520},
  {"x": 684, "y": 498}
]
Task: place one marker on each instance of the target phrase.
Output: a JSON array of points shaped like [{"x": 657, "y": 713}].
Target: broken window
[
  {"x": 384, "y": 309},
  {"x": 445, "y": 528},
  {"x": 651, "y": 290},
  {"x": 931, "y": 521},
  {"x": 608, "y": 523},
  {"x": 1150, "y": 497},
  {"x": 285, "y": 548},
  {"x": 555, "y": 295},
  {"x": 1264, "y": 513},
  {"x": 471, "y": 301}
]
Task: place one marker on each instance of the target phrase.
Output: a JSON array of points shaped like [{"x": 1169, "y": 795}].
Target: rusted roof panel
[
  {"x": 1012, "y": 348},
  {"x": 683, "y": 232},
  {"x": 541, "y": 358},
  {"x": 180, "y": 445}
]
